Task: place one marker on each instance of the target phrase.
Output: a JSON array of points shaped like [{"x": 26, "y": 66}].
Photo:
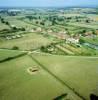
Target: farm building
[
  {"x": 39, "y": 29},
  {"x": 49, "y": 31},
  {"x": 72, "y": 40},
  {"x": 32, "y": 30}
]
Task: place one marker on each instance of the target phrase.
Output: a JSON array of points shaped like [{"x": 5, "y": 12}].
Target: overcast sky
[{"x": 47, "y": 3}]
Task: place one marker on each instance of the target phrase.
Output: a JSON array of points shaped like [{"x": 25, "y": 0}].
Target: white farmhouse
[
  {"x": 13, "y": 26},
  {"x": 39, "y": 29},
  {"x": 72, "y": 40},
  {"x": 32, "y": 30},
  {"x": 49, "y": 31}
]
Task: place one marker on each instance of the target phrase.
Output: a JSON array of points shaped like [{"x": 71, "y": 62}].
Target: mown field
[
  {"x": 29, "y": 41},
  {"x": 74, "y": 76},
  {"x": 80, "y": 73},
  {"x": 8, "y": 53},
  {"x": 17, "y": 84},
  {"x": 91, "y": 40},
  {"x": 18, "y": 23},
  {"x": 84, "y": 25},
  {"x": 3, "y": 26}
]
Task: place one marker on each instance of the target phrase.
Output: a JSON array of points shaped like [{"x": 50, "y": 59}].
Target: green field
[
  {"x": 92, "y": 40},
  {"x": 8, "y": 53},
  {"x": 29, "y": 41},
  {"x": 48, "y": 53},
  {"x": 84, "y": 25},
  {"x": 18, "y": 23},
  {"x": 80, "y": 73},
  {"x": 17, "y": 84},
  {"x": 3, "y": 26}
]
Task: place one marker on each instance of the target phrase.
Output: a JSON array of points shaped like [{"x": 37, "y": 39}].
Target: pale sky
[{"x": 47, "y": 3}]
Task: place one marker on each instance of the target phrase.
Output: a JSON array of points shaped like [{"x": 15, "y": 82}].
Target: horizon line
[{"x": 92, "y": 6}]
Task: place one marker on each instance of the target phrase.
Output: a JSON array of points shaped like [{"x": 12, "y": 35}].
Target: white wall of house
[{"x": 72, "y": 40}]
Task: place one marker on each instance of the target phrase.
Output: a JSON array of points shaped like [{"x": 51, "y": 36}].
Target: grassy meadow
[
  {"x": 80, "y": 73},
  {"x": 17, "y": 84},
  {"x": 4, "y": 54},
  {"x": 29, "y": 41}
]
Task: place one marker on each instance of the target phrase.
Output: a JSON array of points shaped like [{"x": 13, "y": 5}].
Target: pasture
[
  {"x": 4, "y": 54},
  {"x": 84, "y": 25},
  {"x": 3, "y": 26},
  {"x": 80, "y": 73},
  {"x": 28, "y": 42},
  {"x": 17, "y": 84},
  {"x": 15, "y": 21},
  {"x": 91, "y": 40}
]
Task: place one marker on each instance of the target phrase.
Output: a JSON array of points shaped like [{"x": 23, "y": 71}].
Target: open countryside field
[
  {"x": 84, "y": 25},
  {"x": 93, "y": 16},
  {"x": 29, "y": 41},
  {"x": 48, "y": 53},
  {"x": 2, "y": 26},
  {"x": 4, "y": 54},
  {"x": 92, "y": 40},
  {"x": 18, "y": 23},
  {"x": 17, "y": 84},
  {"x": 80, "y": 73}
]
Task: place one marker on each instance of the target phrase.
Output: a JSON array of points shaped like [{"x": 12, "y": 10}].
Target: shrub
[
  {"x": 15, "y": 48},
  {"x": 81, "y": 41}
]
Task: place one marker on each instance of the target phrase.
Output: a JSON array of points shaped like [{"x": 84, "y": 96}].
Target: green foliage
[
  {"x": 15, "y": 48},
  {"x": 81, "y": 41}
]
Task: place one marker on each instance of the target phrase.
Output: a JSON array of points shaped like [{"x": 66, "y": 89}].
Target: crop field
[
  {"x": 84, "y": 25},
  {"x": 2, "y": 26},
  {"x": 29, "y": 41},
  {"x": 65, "y": 50},
  {"x": 16, "y": 83},
  {"x": 79, "y": 50},
  {"x": 92, "y": 16},
  {"x": 8, "y": 53},
  {"x": 80, "y": 73},
  {"x": 18, "y": 23},
  {"x": 70, "y": 49},
  {"x": 92, "y": 40}
]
